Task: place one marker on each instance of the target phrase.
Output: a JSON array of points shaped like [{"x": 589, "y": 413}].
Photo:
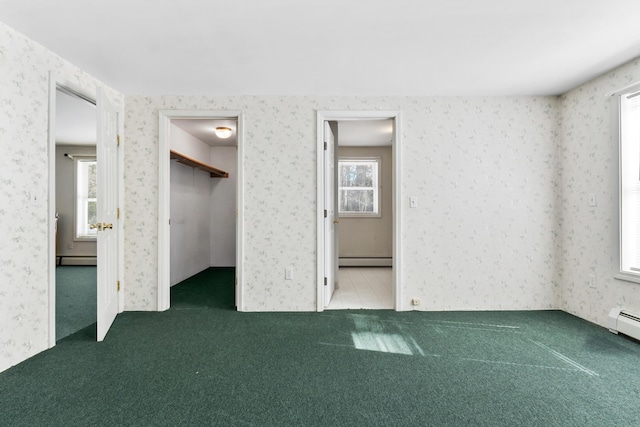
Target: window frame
[
  {"x": 82, "y": 235},
  {"x": 623, "y": 165},
  {"x": 377, "y": 187}
]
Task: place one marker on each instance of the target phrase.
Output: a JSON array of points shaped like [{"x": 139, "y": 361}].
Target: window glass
[{"x": 358, "y": 192}]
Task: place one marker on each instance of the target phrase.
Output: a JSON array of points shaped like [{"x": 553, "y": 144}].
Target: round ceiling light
[{"x": 223, "y": 132}]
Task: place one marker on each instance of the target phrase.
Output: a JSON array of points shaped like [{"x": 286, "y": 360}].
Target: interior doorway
[
  {"x": 83, "y": 134},
  {"x": 200, "y": 197},
  {"x": 359, "y": 213},
  {"x": 75, "y": 208}
]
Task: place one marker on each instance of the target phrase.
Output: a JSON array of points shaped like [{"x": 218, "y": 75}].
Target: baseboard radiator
[
  {"x": 365, "y": 262},
  {"x": 624, "y": 322}
]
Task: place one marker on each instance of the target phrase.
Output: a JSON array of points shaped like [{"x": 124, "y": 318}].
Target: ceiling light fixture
[{"x": 223, "y": 132}]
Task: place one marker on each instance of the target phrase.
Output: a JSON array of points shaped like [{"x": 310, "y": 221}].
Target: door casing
[
  {"x": 164, "y": 232},
  {"x": 322, "y": 117}
]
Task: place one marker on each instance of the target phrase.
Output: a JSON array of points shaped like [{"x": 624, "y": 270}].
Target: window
[
  {"x": 86, "y": 207},
  {"x": 630, "y": 183},
  {"x": 358, "y": 190}
]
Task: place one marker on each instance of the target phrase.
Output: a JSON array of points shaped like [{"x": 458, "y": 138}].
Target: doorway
[
  {"x": 368, "y": 249},
  {"x": 97, "y": 199},
  {"x": 200, "y": 197},
  {"x": 75, "y": 209}
]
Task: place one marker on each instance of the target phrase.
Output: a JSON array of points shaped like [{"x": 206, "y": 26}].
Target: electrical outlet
[
  {"x": 288, "y": 273},
  {"x": 415, "y": 301},
  {"x": 592, "y": 280},
  {"x": 70, "y": 245}
]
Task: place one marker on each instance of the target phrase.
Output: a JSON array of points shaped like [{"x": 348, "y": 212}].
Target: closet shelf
[{"x": 185, "y": 160}]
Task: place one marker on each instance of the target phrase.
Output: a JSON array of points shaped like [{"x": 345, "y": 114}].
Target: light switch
[
  {"x": 288, "y": 273},
  {"x": 413, "y": 202},
  {"x": 592, "y": 200}
]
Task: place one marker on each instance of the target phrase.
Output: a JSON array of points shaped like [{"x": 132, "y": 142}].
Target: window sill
[{"x": 627, "y": 277}]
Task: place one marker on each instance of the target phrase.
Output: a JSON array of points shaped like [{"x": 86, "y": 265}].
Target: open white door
[
  {"x": 331, "y": 217},
  {"x": 107, "y": 206}
]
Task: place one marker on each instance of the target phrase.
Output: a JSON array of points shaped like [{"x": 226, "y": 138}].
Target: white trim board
[
  {"x": 164, "y": 232},
  {"x": 323, "y": 116}
]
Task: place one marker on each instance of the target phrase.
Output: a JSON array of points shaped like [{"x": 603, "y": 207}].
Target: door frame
[
  {"x": 396, "y": 145},
  {"x": 164, "y": 207},
  {"x": 56, "y": 80}
]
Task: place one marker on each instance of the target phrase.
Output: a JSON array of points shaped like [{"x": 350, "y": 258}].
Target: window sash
[
  {"x": 365, "y": 197},
  {"x": 84, "y": 188}
]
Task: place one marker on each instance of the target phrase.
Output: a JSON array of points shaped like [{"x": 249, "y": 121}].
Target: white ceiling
[
  {"x": 365, "y": 133},
  {"x": 204, "y": 130},
  {"x": 335, "y": 47}
]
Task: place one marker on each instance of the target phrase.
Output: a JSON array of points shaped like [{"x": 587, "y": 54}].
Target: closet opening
[{"x": 198, "y": 245}]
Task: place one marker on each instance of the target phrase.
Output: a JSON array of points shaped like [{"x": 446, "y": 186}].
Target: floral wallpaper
[
  {"x": 484, "y": 169},
  {"x": 24, "y": 118},
  {"x": 589, "y": 154}
]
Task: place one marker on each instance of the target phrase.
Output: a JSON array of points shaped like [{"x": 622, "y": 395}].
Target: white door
[
  {"x": 331, "y": 217},
  {"x": 107, "y": 205}
]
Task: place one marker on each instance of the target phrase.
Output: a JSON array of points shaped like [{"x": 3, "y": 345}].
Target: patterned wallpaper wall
[
  {"x": 590, "y": 166},
  {"x": 24, "y": 100},
  {"x": 485, "y": 170}
]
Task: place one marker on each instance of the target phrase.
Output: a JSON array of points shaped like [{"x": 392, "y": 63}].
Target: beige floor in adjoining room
[{"x": 363, "y": 287}]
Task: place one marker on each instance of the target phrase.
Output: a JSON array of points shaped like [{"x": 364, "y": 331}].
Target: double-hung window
[
  {"x": 86, "y": 198},
  {"x": 630, "y": 184},
  {"x": 358, "y": 188}
]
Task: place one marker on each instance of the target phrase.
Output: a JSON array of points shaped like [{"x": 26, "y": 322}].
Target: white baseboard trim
[
  {"x": 76, "y": 260},
  {"x": 365, "y": 262}
]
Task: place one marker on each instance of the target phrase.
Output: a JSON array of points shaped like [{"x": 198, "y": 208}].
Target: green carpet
[
  {"x": 76, "y": 288},
  {"x": 201, "y": 363}
]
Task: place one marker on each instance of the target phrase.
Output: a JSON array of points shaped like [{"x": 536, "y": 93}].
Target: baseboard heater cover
[
  {"x": 624, "y": 322},
  {"x": 365, "y": 262}
]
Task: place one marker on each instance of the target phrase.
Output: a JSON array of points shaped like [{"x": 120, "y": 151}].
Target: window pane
[
  {"x": 356, "y": 201},
  {"x": 354, "y": 174},
  {"x": 92, "y": 176},
  {"x": 92, "y": 212}
]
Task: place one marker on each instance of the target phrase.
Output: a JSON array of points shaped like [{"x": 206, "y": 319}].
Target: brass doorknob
[
  {"x": 109, "y": 226},
  {"x": 337, "y": 220},
  {"x": 97, "y": 226}
]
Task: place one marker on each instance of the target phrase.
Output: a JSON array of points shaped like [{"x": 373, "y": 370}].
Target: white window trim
[
  {"x": 377, "y": 189},
  {"x": 624, "y": 274},
  {"x": 76, "y": 236}
]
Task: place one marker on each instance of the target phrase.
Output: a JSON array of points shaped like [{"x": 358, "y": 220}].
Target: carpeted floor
[
  {"x": 76, "y": 288},
  {"x": 202, "y": 363}
]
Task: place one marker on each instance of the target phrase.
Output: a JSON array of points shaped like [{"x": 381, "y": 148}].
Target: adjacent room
[{"x": 75, "y": 245}]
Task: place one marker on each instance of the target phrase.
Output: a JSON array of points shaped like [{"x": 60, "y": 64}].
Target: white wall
[
  {"x": 590, "y": 166},
  {"x": 24, "y": 171},
  {"x": 370, "y": 237},
  {"x": 485, "y": 170},
  {"x": 223, "y": 207},
  {"x": 65, "y": 203},
  {"x": 185, "y": 143},
  {"x": 189, "y": 208}
]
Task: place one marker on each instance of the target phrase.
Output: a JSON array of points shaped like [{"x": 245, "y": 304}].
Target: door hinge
[
  {"x": 325, "y": 145},
  {"x": 118, "y": 285},
  {"x": 118, "y": 140},
  {"x": 325, "y": 213},
  {"x": 325, "y": 281},
  {"x": 118, "y": 213}
]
